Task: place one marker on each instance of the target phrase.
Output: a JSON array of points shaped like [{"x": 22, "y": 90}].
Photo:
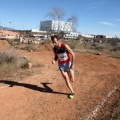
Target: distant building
[
  {"x": 55, "y": 26},
  {"x": 109, "y": 37},
  {"x": 71, "y": 35},
  {"x": 88, "y": 35},
  {"x": 38, "y": 31},
  {"x": 100, "y": 36}
]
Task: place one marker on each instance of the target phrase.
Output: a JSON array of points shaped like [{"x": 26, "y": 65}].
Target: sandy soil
[
  {"x": 6, "y": 33},
  {"x": 44, "y": 95},
  {"x": 4, "y": 45}
]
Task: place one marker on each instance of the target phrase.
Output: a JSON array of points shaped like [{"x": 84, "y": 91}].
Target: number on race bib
[{"x": 63, "y": 56}]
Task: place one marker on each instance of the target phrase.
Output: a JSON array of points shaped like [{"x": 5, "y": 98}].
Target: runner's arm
[
  {"x": 72, "y": 54},
  {"x": 55, "y": 57}
]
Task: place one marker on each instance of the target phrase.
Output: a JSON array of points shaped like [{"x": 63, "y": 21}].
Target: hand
[{"x": 53, "y": 62}]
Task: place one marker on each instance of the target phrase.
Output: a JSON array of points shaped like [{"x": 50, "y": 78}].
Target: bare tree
[
  {"x": 74, "y": 20},
  {"x": 57, "y": 14}
]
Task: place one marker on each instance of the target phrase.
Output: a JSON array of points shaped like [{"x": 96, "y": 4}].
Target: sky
[{"x": 94, "y": 16}]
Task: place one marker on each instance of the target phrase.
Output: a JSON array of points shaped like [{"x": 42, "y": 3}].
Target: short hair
[{"x": 53, "y": 37}]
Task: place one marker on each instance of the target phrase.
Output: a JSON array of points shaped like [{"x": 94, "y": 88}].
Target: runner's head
[{"x": 55, "y": 40}]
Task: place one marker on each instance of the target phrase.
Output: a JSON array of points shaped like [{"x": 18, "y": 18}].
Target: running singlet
[{"x": 62, "y": 54}]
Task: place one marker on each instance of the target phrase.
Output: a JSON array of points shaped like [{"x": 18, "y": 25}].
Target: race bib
[{"x": 62, "y": 56}]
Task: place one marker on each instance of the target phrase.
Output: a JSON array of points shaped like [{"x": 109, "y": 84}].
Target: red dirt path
[{"x": 43, "y": 96}]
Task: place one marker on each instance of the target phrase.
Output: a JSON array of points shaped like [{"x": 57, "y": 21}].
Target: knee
[
  {"x": 72, "y": 79},
  {"x": 66, "y": 78}
]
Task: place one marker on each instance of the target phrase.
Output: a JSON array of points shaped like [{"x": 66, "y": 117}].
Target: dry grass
[
  {"x": 32, "y": 47},
  {"x": 10, "y": 63},
  {"x": 105, "y": 48},
  {"x": 116, "y": 54}
]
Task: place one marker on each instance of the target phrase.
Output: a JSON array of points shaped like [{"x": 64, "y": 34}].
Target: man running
[{"x": 65, "y": 62}]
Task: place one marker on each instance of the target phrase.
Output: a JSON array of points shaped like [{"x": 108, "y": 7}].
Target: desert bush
[
  {"x": 93, "y": 45},
  {"x": 116, "y": 54},
  {"x": 86, "y": 45},
  {"x": 114, "y": 43},
  {"x": 5, "y": 69},
  {"x": 10, "y": 62},
  {"x": 116, "y": 48},
  {"x": 46, "y": 42},
  {"x": 13, "y": 42},
  {"x": 8, "y": 57},
  {"x": 100, "y": 48},
  {"x": 72, "y": 46},
  {"x": 25, "y": 62},
  {"x": 33, "y": 47},
  {"x": 71, "y": 43},
  {"x": 25, "y": 65},
  {"x": 110, "y": 47}
]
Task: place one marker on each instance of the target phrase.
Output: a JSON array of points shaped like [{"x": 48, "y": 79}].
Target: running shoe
[{"x": 71, "y": 96}]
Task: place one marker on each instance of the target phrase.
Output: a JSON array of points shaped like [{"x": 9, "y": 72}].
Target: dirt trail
[{"x": 43, "y": 96}]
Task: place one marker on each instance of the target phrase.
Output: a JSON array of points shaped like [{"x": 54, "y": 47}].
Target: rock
[
  {"x": 29, "y": 65},
  {"x": 98, "y": 54}
]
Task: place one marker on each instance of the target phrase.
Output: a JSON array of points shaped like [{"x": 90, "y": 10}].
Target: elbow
[{"x": 73, "y": 55}]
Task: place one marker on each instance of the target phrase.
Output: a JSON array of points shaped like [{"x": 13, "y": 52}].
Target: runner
[{"x": 65, "y": 62}]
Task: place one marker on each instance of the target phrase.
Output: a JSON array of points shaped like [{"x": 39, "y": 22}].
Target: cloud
[{"x": 107, "y": 23}]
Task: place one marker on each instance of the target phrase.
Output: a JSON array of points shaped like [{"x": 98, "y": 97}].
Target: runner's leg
[
  {"x": 71, "y": 75},
  {"x": 66, "y": 77}
]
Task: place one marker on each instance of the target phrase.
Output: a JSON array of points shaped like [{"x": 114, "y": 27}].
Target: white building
[
  {"x": 109, "y": 37},
  {"x": 37, "y": 31},
  {"x": 71, "y": 35},
  {"x": 88, "y": 35},
  {"x": 54, "y": 25}
]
